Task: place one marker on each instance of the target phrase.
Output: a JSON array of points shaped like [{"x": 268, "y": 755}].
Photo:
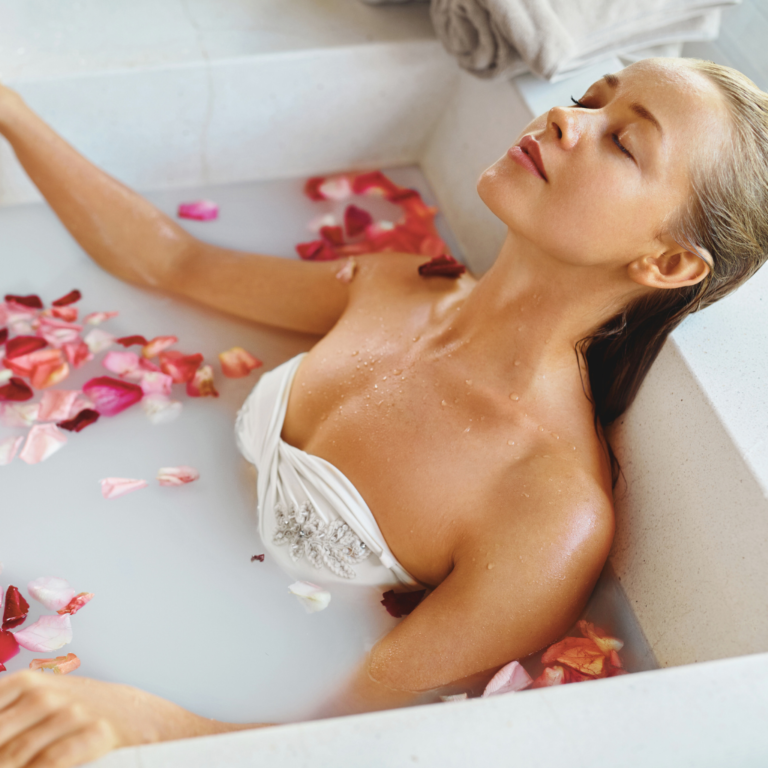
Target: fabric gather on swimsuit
[{"x": 312, "y": 520}]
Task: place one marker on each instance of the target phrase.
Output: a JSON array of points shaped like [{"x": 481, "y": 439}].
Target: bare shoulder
[{"x": 397, "y": 273}]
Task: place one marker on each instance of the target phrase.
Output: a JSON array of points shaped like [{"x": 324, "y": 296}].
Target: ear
[{"x": 675, "y": 268}]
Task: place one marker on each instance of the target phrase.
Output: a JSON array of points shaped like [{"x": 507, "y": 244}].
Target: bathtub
[{"x": 177, "y": 608}]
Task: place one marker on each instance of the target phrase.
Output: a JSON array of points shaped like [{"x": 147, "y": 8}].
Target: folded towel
[{"x": 554, "y": 37}]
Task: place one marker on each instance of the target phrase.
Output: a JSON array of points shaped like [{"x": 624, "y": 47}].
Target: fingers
[{"x": 89, "y": 743}]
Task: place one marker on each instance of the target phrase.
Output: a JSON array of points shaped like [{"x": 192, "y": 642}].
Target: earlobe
[{"x": 671, "y": 269}]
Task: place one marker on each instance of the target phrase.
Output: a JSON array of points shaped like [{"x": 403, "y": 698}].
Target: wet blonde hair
[{"x": 727, "y": 213}]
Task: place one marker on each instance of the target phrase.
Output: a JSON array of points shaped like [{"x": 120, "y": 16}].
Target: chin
[{"x": 500, "y": 189}]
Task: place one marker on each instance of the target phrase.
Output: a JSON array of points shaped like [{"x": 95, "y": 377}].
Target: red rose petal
[
  {"x": 201, "y": 384},
  {"x": 181, "y": 368},
  {"x": 579, "y": 653},
  {"x": 316, "y": 250},
  {"x": 550, "y": 676},
  {"x": 16, "y": 608},
  {"x": 374, "y": 181},
  {"x": 70, "y": 298},
  {"x": 77, "y": 353},
  {"x": 68, "y": 314},
  {"x": 111, "y": 396},
  {"x": 76, "y": 603},
  {"x": 157, "y": 345},
  {"x": 442, "y": 266},
  {"x": 312, "y": 188},
  {"x": 77, "y": 423},
  {"x": 129, "y": 341},
  {"x": 402, "y": 603},
  {"x": 356, "y": 220},
  {"x": 260, "y": 558},
  {"x": 333, "y": 235},
  {"x": 16, "y": 389},
  {"x": 23, "y": 345},
  {"x": 48, "y": 368},
  {"x": 9, "y": 646},
  {"x": 3, "y": 335},
  {"x": 32, "y": 301}
]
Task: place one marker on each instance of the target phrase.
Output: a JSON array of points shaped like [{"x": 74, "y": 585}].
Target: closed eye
[{"x": 614, "y": 136}]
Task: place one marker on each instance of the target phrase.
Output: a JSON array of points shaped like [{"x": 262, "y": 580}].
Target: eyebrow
[{"x": 638, "y": 109}]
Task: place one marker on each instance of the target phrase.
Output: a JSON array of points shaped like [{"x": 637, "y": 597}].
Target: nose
[{"x": 565, "y": 125}]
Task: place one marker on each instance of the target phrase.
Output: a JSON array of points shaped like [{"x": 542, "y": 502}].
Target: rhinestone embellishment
[{"x": 333, "y": 545}]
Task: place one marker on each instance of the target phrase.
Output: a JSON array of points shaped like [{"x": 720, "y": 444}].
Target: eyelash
[{"x": 613, "y": 135}]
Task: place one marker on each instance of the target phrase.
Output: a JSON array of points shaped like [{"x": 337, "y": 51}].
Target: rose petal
[
  {"x": 509, "y": 678},
  {"x": 312, "y": 188},
  {"x": 3, "y": 335},
  {"x": 111, "y": 396},
  {"x": 200, "y": 210},
  {"x": 42, "y": 442},
  {"x": 59, "y": 332},
  {"x": 236, "y": 362},
  {"x": 324, "y": 220},
  {"x": 32, "y": 301},
  {"x": 96, "y": 318},
  {"x": 177, "y": 475},
  {"x": 400, "y": 604},
  {"x": 48, "y": 633},
  {"x": 56, "y": 404},
  {"x": 49, "y": 368},
  {"x": 373, "y": 182},
  {"x": 157, "y": 345},
  {"x": 9, "y": 647},
  {"x": 347, "y": 272},
  {"x": 335, "y": 188},
  {"x": 78, "y": 353},
  {"x": 23, "y": 345},
  {"x": 156, "y": 383},
  {"x": 129, "y": 341},
  {"x": 61, "y": 665},
  {"x": 356, "y": 220},
  {"x": 312, "y": 596},
  {"x": 76, "y": 603},
  {"x": 70, "y": 298},
  {"x": 17, "y": 390},
  {"x": 601, "y": 639},
  {"x": 9, "y": 447},
  {"x": 201, "y": 384},
  {"x": 332, "y": 235},
  {"x": 19, "y": 414},
  {"x": 80, "y": 421},
  {"x": 6, "y": 374},
  {"x": 16, "y": 608},
  {"x": 113, "y": 487},
  {"x": 550, "y": 676},
  {"x": 181, "y": 368},
  {"x": 260, "y": 558},
  {"x": 51, "y": 591},
  {"x": 98, "y": 340},
  {"x": 582, "y": 654},
  {"x": 317, "y": 250},
  {"x": 442, "y": 266},
  {"x": 121, "y": 363}
]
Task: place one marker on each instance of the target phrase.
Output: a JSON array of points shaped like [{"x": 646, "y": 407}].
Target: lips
[{"x": 530, "y": 146}]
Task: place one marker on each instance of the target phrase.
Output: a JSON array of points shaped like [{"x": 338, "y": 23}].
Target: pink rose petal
[
  {"x": 59, "y": 332},
  {"x": 236, "y": 362},
  {"x": 54, "y": 593},
  {"x": 19, "y": 414},
  {"x": 155, "y": 383},
  {"x": 98, "y": 340},
  {"x": 96, "y": 318},
  {"x": 312, "y": 596},
  {"x": 202, "y": 383},
  {"x": 111, "y": 396},
  {"x": 68, "y": 314},
  {"x": 78, "y": 353},
  {"x": 181, "y": 368},
  {"x": 177, "y": 475},
  {"x": 509, "y": 678},
  {"x": 76, "y": 603},
  {"x": 157, "y": 345},
  {"x": 42, "y": 442},
  {"x": 61, "y": 665},
  {"x": 336, "y": 188},
  {"x": 347, "y": 272},
  {"x": 56, "y": 404},
  {"x": 161, "y": 409},
  {"x": 9, "y": 448},
  {"x": 121, "y": 363},
  {"x": 112, "y": 487},
  {"x": 200, "y": 210},
  {"x": 48, "y": 633}
]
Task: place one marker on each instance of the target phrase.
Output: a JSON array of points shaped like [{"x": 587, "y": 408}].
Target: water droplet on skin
[
  {"x": 416, "y": 338},
  {"x": 444, "y": 403},
  {"x": 514, "y": 397},
  {"x": 517, "y": 362},
  {"x": 396, "y": 373},
  {"x": 574, "y": 447},
  {"x": 520, "y": 327},
  {"x": 557, "y": 437},
  {"x": 467, "y": 429},
  {"x": 384, "y": 379},
  {"x": 490, "y": 566},
  {"x": 370, "y": 369},
  {"x": 469, "y": 382},
  {"x": 402, "y": 378},
  {"x": 526, "y": 495},
  {"x": 375, "y": 386},
  {"x": 510, "y": 442},
  {"x": 355, "y": 352},
  {"x": 456, "y": 400},
  {"x": 541, "y": 429},
  {"x": 367, "y": 395},
  {"x": 380, "y": 402}
]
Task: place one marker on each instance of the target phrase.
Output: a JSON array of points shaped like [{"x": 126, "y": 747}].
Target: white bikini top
[{"x": 312, "y": 520}]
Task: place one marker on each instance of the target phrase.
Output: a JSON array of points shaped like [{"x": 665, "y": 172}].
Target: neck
[{"x": 528, "y": 312}]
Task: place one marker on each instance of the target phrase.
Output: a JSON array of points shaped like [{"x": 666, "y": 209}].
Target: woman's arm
[{"x": 130, "y": 238}]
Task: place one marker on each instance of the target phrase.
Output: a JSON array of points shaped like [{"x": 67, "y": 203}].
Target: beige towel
[{"x": 555, "y": 37}]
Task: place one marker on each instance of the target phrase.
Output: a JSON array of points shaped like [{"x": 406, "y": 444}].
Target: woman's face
[{"x": 616, "y": 165}]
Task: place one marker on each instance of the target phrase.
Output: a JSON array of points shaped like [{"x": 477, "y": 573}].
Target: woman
[{"x": 467, "y": 413}]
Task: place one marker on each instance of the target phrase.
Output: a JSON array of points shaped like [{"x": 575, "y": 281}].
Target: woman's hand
[{"x": 55, "y": 721}]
